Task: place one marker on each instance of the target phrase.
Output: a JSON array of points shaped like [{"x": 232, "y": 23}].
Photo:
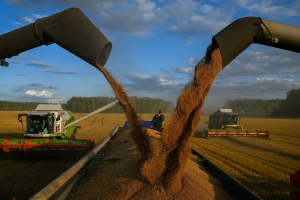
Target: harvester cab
[
  {"x": 52, "y": 121},
  {"x": 225, "y": 122},
  {"x": 49, "y": 121},
  {"x": 225, "y": 119}
]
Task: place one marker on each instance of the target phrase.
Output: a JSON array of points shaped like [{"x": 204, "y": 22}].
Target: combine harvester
[
  {"x": 225, "y": 123},
  {"x": 55, "y": 129}
]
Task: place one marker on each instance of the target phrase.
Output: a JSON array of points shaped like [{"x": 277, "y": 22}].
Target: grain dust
[
  {"x": 177, "y": 135},
  {"x": 137, "y": 132},
  {"x": 162, "y": 170}
]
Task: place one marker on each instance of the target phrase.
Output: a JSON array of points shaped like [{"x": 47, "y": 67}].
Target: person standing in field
[{"x": 157, "y": 120}]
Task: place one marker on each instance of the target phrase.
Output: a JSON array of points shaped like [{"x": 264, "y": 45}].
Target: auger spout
[
  {"x": 240, "y": 34},
  {"x": 70, "y": 29}
]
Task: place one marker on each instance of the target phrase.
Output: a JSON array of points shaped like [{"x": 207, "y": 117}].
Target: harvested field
[{"x": 262, "y": 165}]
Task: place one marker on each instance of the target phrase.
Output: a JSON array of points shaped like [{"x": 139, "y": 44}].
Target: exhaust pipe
[
  {"x": 70, "y": 29},
  {"x": 240, "y": 34}
]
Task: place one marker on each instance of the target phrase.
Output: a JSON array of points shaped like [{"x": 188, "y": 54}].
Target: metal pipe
[
  {"x": 92, "y": 114},
  {"x": 70, "y": 29},
  {"x": 52, "y": 187},
  {"x": 240, "y": 34}
]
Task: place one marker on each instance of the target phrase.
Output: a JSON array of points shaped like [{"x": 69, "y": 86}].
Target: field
[
  {"x": 262, "y": 165},
  {"x": 24, "y": 175}
]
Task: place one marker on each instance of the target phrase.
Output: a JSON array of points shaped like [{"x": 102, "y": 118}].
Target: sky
[{"x": 156, "y": 45}]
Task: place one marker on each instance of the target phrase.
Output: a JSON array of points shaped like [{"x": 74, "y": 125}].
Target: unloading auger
[
  {"x": 70, "y": 29},
  {"x": 240, "y": 34},
  {"x": 73, "y": 31}
]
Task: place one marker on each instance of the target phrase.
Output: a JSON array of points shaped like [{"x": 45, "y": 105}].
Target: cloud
[
  {"x": 17, "y": 23},
  {"x": 39, "y": 94},
  {"x": 34, "y": 86},
  {"x": 39, "y": 64},
  {"x": 193, "y": 20},
  {"x": 26, "y": 20},
  {"x": 263, "y": 61},
  {"x": 62, "y": 72},
  {"x": 193, "y": 62},
  {"x": 270, "y": 87},
  {"x": 266, "y": 7},
  {"x": 188, "y": 18},
  {"x": 43, "y": 94},
  {"x": 185, "y": 70},
  {"x": 156, "y": 83},
  {"x": 37, "y": 16}
]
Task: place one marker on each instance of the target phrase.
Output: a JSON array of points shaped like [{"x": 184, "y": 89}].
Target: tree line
[
  {"x": 89, "y": 104},
  {"x": 17, "y": 106},
  {"x": 142, "y": 104},
  {"x": 288, "y": 107},
  {"x": 261, "y": 106}
]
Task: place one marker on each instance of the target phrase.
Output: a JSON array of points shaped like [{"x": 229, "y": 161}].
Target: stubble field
[{"x": 262, "y": 165}]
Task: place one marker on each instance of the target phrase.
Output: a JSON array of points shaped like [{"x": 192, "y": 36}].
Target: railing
[{"x": 52, "y": 187}]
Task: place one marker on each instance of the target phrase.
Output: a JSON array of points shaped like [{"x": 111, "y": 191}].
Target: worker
[{"x": 157, "y": 120}]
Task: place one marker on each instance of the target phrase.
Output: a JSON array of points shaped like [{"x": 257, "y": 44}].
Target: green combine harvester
[
  {"x": 51, "y": 129},
  {"x": 226, "y": 123}
]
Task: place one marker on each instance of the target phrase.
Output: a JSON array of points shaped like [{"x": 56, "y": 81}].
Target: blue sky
[{"x": 156, "y": 44}]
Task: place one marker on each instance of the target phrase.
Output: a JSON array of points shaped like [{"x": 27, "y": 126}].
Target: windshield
[
  {"x": 37, "y": 124},
  {"x": 231, "y": 119}
]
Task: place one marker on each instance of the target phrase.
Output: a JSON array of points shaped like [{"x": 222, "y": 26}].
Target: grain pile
[
  {"x": 161, "y": 169},
  {"x": 121, "y": 179}
]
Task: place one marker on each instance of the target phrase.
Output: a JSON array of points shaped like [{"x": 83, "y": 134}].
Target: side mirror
[{"x": 58, "y": 118}]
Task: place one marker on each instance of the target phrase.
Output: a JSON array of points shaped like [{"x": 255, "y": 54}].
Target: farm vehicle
[
  {"x": 52, "y": 121},
  {"x": 224, "y": 122},
  {"x": 225, "y": 118}
]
